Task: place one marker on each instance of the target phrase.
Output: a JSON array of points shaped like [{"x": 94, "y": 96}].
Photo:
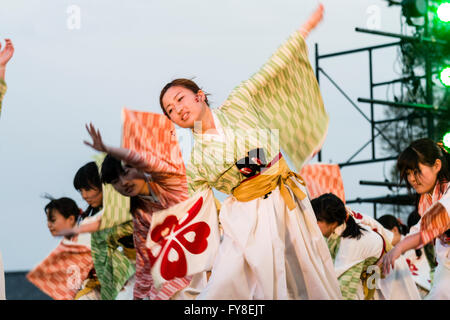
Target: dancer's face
[
  {"x": 424, "y": 178},
  {"x": 56, "y": 222},
  {"x": 327, "y": 228},
  {"x": 183, "y": 106},
  {"x": 130, "y": 183},
  {"x": 93, "y": 196}
]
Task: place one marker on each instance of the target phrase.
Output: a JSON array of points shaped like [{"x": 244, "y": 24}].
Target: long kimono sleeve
[
  {"x": 436, "y": 220},
  {"x": 168, "y": 184},
  {"x": 2, "y": 93},
  {"x": 195, "y": 181},
  {"x": 153, "y": 147},
  {"x": 112, "y": 266},
  {"x": 284, "y": 95}
]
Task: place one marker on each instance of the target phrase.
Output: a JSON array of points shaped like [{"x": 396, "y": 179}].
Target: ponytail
[
  {"x": 352, "y": 230},
  {"x": 329, "y": 208}
]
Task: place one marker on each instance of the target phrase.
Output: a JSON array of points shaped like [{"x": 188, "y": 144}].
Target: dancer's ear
[{"x": 200, "y": 96}]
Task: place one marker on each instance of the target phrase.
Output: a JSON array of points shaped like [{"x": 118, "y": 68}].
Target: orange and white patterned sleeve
[
  {"x": 153, "y": 147},
  {"x": 166, "y": 181},
  {"x": 436, "y": 220}
]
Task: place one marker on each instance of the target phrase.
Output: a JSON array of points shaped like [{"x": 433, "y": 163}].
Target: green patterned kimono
[
  {"x": 350, "y": 280},
  {"x": 113, "y": 268},
  {"x": 280, "y": 107},
  {"x": 3, "y": 88}
]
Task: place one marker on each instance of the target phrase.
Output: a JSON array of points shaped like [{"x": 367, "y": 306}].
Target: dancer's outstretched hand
[
  {"x": 388, "y": 260},
  {"x": 6, "y": 53},
  {"x": 97, "y": 142},
  {"x": 313, "y": 21}
]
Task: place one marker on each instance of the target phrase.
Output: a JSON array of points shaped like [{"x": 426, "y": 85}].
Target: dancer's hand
[
  {"x": 313, "y": 21},
  {"x": 5, "y": 56},
  {"x": 388, "y": 260},
  {"x": 97, "y": 142},
  {"x": 6, "y": 53}
]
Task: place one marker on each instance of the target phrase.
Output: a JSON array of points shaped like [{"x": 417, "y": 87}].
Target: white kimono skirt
[{"x": 271, "y": 252}]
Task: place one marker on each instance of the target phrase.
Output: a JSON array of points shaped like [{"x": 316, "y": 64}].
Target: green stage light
[
  {"x": 443, "y": 12},
  {"x": 446, "y": 140},
  {"x": 414, "y": 8},
  {"x": 444, "y": 76}
]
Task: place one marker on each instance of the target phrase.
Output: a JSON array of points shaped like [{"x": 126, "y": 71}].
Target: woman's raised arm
[
  {"x": 121, "y": 154},
  {"x": 5, "y": 55}
]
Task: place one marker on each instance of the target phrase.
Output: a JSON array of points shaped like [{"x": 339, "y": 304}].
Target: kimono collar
[
  {"x": 208, "y": 137},
  {"x": 426, "y": 200}
]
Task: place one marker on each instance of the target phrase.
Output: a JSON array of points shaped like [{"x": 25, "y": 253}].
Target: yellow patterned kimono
[
  {"x": 2, "y": 93},
  {"x": 352, "y": 260},
  {"x": 268, "y": 250},
  {"x": 115, "y": 268}
]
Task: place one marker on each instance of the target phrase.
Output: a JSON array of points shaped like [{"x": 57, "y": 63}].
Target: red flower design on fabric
[
  {"x": 357, "y": 215},
  {"x": 412, "y": 267},
  {"x": 171, "y": 235}
]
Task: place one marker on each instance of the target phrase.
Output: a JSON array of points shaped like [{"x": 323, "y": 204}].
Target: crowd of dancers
[{"x": 154, "y": 230}]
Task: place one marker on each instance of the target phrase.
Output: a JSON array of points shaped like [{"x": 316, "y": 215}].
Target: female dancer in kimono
[
  {"x": 5, "y": 55},
  {"x": 113, "y": 268},
  {"x": 272, "y": 247},
  {"x": 353, "y": 249},
  {"x": 424, "y": 165},
  {"x": 63, "y": 214},
  {"x": 150, "y": 190}
]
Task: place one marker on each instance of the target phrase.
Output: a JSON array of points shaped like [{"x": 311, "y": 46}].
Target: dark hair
[
  {"x": 426, "y": 152},
  {"x": 87, "y": 177},
  {"x": 111, "y": 169},
  {"x": 65, "y": 206},
  {"x": 389, "y": 222},
  {"x": 413, "y": 219},
  {"x": 181, "y": 82},
  {"x": 329, "y": 208}
]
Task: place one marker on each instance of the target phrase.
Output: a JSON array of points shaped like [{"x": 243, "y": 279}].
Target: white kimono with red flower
[
  {"x": 184, "y": 238},
  {"x": 153, "y": 148},
  {"x": 270, "y": 249}
]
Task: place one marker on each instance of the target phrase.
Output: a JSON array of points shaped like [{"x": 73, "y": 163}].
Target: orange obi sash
[{"x": 277, "y": 174}]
